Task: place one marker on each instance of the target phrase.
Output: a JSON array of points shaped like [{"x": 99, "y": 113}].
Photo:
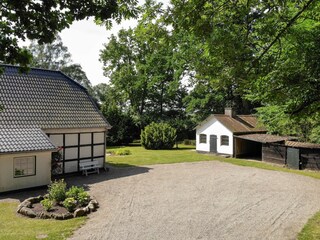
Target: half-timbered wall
[{"x": 77, "y": 147}]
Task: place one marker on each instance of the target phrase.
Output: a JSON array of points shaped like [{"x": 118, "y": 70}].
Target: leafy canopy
[{"x": 42, "y": 20}]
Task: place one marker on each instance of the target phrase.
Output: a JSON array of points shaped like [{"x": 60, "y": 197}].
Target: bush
[
  {"x": 158, "y": 136},
  {"x": 70, "y": 204},
  {"x": 57, "y": 190},
  {"x": 47, "y": 204},
  {"x": 79, "y": 195},
  {"x": 74, "y": 192},
  {"x": 83, "y": 198},
  {"x": 122, "y": 152}
]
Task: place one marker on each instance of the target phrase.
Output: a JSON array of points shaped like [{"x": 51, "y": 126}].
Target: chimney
[{"x": 229, "y": 111}]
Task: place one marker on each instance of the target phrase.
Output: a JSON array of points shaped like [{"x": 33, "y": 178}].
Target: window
[
  {"x": 203, "y": 138},
  {"x": 224, "y": 140},
  {"x": 24, "y": 166}
]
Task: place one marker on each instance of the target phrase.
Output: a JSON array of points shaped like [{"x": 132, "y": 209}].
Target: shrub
[
  {"x": 70, "y": 204},
  {"x": 57, "y": 190},
  {"x": 122, "y": 152},
  {"x": 158, "y": 136},
  {"x": 47, "y": 204},
  {"x": 74, "y": 192},
  {"x": 83, "y": 198}
]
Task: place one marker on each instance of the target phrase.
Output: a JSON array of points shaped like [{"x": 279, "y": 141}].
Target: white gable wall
[{"x": 214, "y": 127}]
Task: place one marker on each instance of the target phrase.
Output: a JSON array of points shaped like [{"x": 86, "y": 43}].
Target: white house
[
  {"x": 216, "y": 134},
  {"x": 49, "y": 125}
]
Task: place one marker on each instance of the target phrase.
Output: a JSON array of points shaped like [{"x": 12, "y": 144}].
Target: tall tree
[
  {"x": 262, "y": 51},
  {"x": 42, "y": 20},
  {"x": 142, "y": 66},
  {"x": 237, "y": 41}
]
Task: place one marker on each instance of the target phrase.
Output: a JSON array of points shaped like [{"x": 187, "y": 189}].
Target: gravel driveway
[{"x": 204, "y": 200}]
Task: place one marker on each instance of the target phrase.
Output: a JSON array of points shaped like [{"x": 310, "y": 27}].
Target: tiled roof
[
  {"x": 302, "y": 145},
  {"x": 23, "y": 140},
  {"x": 46, "y": 99},
  {"x": 264, "y": 138},
  {"x": 240, "y": 124}
]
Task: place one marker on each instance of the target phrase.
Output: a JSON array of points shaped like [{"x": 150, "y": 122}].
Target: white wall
[
  {"x": 43, "y": 171},
  {"x": 214, "y": 127}
]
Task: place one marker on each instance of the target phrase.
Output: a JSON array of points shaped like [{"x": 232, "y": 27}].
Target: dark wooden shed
[
  {"x": 308, "y": 154},
  {"x": 265, "y": 147},
  {"x": 278, "y": 149}
]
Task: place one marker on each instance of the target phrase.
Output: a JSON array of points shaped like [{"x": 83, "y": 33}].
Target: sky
[{"x": 84, "y": 40}]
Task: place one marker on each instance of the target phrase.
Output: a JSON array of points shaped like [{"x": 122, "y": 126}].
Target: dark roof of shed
[
  {"x": 240, "y": 123},
  {"x": 46, "y": 99},
  {"x": 302, "y": 145},
  {"x": 23, "y": 140},
  {"x": 263, "y": 138}
]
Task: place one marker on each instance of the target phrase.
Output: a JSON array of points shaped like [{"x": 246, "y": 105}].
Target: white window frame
[
  {"x": 205, "y": 138},
  {"x": 24, "y": 166}
]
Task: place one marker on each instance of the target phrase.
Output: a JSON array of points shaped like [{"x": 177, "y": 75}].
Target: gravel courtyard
[{"x": 204, "y": 200}]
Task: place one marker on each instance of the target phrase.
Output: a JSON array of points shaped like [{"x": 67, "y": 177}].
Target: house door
[{"x": 213, "y": 143}]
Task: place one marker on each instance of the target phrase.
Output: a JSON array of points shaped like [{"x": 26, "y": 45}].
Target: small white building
[
  {"x": 49, "y": 124},
  {"x": 216, "y": 134}
]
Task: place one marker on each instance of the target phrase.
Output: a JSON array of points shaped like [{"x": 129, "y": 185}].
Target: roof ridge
[{"x": 46, "y": 70}]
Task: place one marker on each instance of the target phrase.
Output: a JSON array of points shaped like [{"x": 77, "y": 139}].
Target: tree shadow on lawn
[{"x": 115, "y": 171}]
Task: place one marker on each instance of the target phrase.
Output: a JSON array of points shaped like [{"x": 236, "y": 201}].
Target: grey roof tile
[
  {"x": 23, "y": 140},
  {"x": 46, "y": 99}
]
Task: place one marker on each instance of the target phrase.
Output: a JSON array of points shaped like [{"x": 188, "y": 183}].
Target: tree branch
[{"x": 289, "y": 24}]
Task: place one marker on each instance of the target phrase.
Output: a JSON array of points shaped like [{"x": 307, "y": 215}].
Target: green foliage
[
  {"x": 158, "y": 136},
  {"x": 57, "y": 190},
  {"x": 41, "y": 20},
  {"x": 70, "y": 204},
  {"x": 79, "y": 195},
  {"x": 278, "y": 121},
  {"x": 144, "y": 70},
  {"x": 83, "y": 198},
  {"x": 123, "y": 129},
  {"x": 122, "y": 152},
  {"x": 74, "y": 191},
  {"x": 47, "y": 204}
]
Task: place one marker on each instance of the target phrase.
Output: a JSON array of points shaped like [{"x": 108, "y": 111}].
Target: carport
[{"x": 264, "y": 147}]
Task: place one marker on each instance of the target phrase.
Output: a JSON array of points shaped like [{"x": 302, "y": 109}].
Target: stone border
[{"x": 24, "y": 208}]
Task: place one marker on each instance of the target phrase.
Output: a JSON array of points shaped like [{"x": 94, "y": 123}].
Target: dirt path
[{"x": 207, "y": 200}]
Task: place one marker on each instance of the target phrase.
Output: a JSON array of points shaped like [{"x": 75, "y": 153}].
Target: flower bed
[{"x": 59, "y": 203}]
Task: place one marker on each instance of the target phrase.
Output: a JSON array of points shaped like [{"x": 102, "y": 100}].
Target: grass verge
[
  {"x": 14, "y": 227},
  {"x": 311, "y": 231}
]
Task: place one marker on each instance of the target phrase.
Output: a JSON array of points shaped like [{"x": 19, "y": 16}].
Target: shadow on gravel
[{"x": 114, "y": 172}]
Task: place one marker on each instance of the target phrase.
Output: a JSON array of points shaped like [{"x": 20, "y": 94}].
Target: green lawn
[
  {"x": 311, "y": 231},
  {"x": 140, "y": 156},
  {"x": 15, "y": 227}
]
